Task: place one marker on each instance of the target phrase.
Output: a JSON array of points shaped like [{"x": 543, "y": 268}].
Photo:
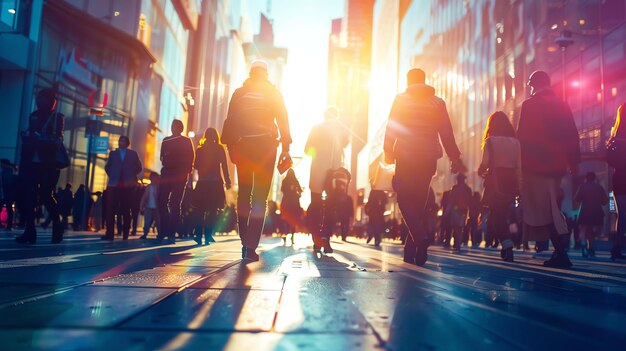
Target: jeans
[
  {"x": 412, "y": 183},
  {"x": 256, "y": 158},
  {"x": 38, "y": 180},
  {"x": 117, "y": 204},
  {"x": 171, "y": 191}
]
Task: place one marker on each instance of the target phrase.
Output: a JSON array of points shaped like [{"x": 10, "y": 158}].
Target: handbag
[{"x": 383, "y": 180}]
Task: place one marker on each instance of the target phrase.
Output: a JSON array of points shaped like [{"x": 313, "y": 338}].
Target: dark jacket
[
  {"x": 547, "y": 134},
  {"x": 256, "y": 109},
  {"x": 177, "y": 154},
  {"x": 123, "y": 172},
  {"x": 616, "y": 158},
  {"x": 211, "y": 163},
  {"x": 8, "y": 184},
  {"x": 418, "y": 119},
  {"x": 38, "y": 123}
]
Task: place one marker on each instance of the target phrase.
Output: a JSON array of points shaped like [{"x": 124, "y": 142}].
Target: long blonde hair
[
  {"x": 618, "y": 130},
  {"x": 211, "y": 135}
]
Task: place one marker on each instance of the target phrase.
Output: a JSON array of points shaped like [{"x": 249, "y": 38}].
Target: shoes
[
  {"x": 143, "y": 237},
  {"x": 250, "y": 255},
  {"x": 198, "y": 241},
  {"x": 326, "y": 246},
  {"x": 616, "y": 253},
  {"x": 558, "y": 261},
  {"x": 507, "y": 254}
]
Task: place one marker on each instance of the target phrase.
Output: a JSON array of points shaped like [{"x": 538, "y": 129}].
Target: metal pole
[
  {"x": 85, "y": 218},
  {"x": 564, "y": 72}
]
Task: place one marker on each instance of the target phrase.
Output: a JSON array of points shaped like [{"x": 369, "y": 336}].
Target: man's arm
[
  {"x": 391, "y": 133},
  {"x": 283, "y": 122}
]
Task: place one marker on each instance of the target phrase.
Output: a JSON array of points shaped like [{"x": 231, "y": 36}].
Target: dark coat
[
  {"x": 418, "y": 119},
  {"x": 256, "y": 109},
  {"x": 177, "y": 154},
  {"x": 592, "y": 198},
  {"x": 548, "y": 135},
  {"x": 123, "y": 172},
  {"x": 38, "y": 124}
]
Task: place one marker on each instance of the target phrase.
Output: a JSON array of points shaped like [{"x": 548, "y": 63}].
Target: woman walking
[
  {"x": 501, "y": 168},
  {"x": 209, "y": 196},
  {"x": 616, "y": 157},
  {"x": 592, "y": 198}
]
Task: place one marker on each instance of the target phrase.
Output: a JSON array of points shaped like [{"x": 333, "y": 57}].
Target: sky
[{"x": 303, "y": 27}]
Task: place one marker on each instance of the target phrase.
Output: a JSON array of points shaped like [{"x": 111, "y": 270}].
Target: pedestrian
[
  {"x": 256, "y": 123},
  {"x": 65, "y": 199},
  {"x": 96, "y": 212},
  {"x": 149, "y": 205},
  {"x": 375, "y": 210},
  {"x": 592, "y": 198},
  {"x": 122, "y": 167},
  {"x": 460, "y": 198},
  {"x": 177, "y": 158},
  {"x": 325, "y": 145},
  {"x": 445, "y": 230},
  {"x": 8, "y": 190},
  {"x": 431, "y": 215},
  {"x": 77, "y": 207},
  {"x": 549, "y": 147},
  {"x": 213, "y": 176},
  {"x": 418, "y": 119},
  {"x": 135, "y": 207},
  {"x": 501, "y": 167},
  {"x": 290, "y": 210},
  {"x": 39, "y": 167},
  {"x": 616, "y": 158},
  {"x": 344, "y": 213},
  {"x": 471, "y": 227}
]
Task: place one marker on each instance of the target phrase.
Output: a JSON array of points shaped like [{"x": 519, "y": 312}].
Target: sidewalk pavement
[{"x": 86, "y": 294}]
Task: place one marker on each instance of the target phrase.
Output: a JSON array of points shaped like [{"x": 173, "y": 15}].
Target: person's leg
[
  {"x": 262, "y": 184},
  {"x": 28, "y": 191},
  {"x": 413, "y": 182},
  {"x": 48, "y": 178},
  {"x": 314, "y": 216},
  {"x": 176, "y": 200},
  {"x": 244, "y": 198},
  {"x": 583, "y": 232},
  {"x": 124, "y": 212},
  {"x": 148, "y": 220},
  {"x": 501, "y": 230},
  {"x": 163, "y": 198},
  {"x": 210, "y": 224}
]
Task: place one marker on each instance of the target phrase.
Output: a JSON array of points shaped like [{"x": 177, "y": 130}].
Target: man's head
[
  {"x": 460, "y": 178},
  {"x": 415, "y": 76},
  {"x": 177, "y": 127},
  {"x": 538, "y": 80},
  {"x": 68, "y": 186},
  {"x": 331, "y": 113},
  {"x": 590, "y": 176},
  {"x": 258, "y": 69},
  {"x": 46, "y": 100},
  {"x": 123, "y": 142}
]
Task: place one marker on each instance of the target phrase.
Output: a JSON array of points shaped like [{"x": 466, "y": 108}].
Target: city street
[{"x": 87, "y": 294}]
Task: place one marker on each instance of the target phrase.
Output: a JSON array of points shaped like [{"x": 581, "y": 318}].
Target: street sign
[
  {"x": 92, "y": 127},
  {"x": 99, "y": 145}
]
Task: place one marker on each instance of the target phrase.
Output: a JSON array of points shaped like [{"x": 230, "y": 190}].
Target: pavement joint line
[{"x": 175, "y": 291}]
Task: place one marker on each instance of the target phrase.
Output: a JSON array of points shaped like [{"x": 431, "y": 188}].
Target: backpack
[{"x": 337, "y": 181}]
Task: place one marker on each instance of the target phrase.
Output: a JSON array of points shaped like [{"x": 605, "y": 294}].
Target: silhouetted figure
[
  {"x": 616, "y": 157},
  {"x": 96, "y": 213},
  {"x": 375, "y": 210},
  {"x": 431, "y": 215},
  {"x": 344, "y": 213},
  {"x": 149, "y": 205},
  {"x": 65, "y": 200},
  {"x": 445, "y": 232},
  {"x": 501, "y": 167},
  {"x": 290, "y": 210},
  {"x": 460, "y": 199},
  {"x": 77, "y": 207},
  {"x": 549, "y": 146},
  {"x": 592, "y": 198},
  {"x": 177, "y": 157},
  {"x": 251, "y": 134},
  {"x": 135, "y": 207},
  {"x": 39, "y": 170},
  {"x": 325, "y": 145},
  {"x": 209, "y": 195},
  {"x": 418, "y": 119},
  {"x": 122, "y": 167},
  {"x": 8, "y": 190},
  {"x": 471, "y": 227}
]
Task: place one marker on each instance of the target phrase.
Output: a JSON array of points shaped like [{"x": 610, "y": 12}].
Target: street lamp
[{"x": 564, "y": 41}]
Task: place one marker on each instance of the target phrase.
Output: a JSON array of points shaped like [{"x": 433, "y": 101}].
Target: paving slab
[
  {"x": 242, "y": 277},
  {"x": 151, "y": 278}
]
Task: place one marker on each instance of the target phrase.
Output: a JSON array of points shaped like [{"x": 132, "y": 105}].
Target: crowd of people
[{"x": 522, "y": 169}]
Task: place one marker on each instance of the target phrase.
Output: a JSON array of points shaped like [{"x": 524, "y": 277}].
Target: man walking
[
  {"x": 122, "y": 168},
  {"x": 549, "y": 143},
  {"x": 256, "y": 115},
  {"x": 418, "y": 119},
  {"x": 325, "y": 145},
  {"x": 177, "y": 157}
]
